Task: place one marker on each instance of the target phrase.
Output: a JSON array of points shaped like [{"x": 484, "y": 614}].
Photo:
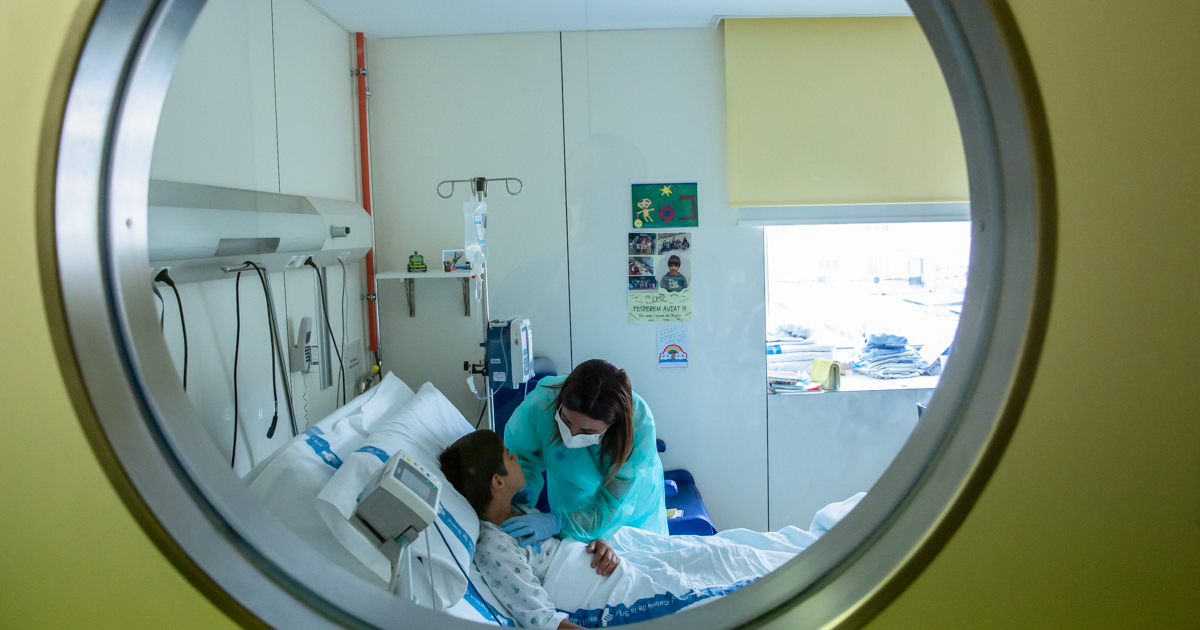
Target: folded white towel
[
  {"x": 798, "y": 356},
  {"x": 793, "y": 329},
  {"x": 784, "y": 347},
  {"x": 793, "y": 366}
]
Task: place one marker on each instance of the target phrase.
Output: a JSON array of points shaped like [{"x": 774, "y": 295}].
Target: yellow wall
[
  {"x": 1092, "y": 519},
  {"x": 838, "y": 110},
  {"x": 70, "y": 555}
]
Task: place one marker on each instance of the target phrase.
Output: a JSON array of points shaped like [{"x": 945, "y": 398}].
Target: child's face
[
  {"x": 516, "y": 475},
  {"x": 674, "y": 269}
]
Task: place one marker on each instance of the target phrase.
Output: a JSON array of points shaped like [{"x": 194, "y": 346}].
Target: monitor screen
[{"x": 416, "y": 482}]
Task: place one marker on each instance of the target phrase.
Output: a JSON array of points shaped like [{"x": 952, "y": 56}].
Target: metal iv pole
[{"x": 479, "y": 191}]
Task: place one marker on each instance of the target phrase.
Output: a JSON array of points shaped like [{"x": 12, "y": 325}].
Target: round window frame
[{"x": 101, "y": 120}]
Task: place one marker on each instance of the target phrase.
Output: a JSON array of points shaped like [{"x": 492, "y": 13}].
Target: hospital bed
[
  {"x": 308, "y": 482},
  {"x": 313, "y": 483}
]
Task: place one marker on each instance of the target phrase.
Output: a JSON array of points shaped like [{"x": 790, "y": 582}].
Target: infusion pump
[
  {"x": 509, "y": 352},
  {"x": 397, "y": 504}
]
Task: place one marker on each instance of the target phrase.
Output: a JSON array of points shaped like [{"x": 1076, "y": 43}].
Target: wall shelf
[{"x": 410, "y": 289}]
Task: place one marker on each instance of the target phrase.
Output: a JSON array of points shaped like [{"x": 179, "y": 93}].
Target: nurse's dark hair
[
  {"x": 600, "y": 390},
  {"x": 470, "y": 463}
]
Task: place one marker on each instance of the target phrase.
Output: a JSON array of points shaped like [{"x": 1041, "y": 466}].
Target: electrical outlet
[{"x": 343, "y": 256}]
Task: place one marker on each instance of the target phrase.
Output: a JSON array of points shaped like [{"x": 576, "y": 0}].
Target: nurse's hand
[
  {"x": 604, "y": 558},
  {"x": 532, "y": 528}
]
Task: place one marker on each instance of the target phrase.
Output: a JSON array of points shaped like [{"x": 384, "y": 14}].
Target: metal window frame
[{"x": 101, "y": 119}]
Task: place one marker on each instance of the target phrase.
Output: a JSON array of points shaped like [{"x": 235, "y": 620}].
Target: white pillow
[
  {"x": 423, "y": 429},
  {"x": 287, "y": 483},
  {"x": 346, "y": 423},
  {"x": 390, "y": 395}
]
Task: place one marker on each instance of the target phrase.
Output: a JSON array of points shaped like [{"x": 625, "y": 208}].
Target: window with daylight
[{"x": 832, "y": 288}]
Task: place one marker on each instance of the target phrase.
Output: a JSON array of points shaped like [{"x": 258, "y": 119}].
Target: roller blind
[{"x": 839, "y": 112}]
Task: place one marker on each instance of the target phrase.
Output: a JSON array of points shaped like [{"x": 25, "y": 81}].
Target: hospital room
[
  {"x": 392, "y": 245},
  {"x": 708, "y": 313},
  {"x": 705, "y": 314}
]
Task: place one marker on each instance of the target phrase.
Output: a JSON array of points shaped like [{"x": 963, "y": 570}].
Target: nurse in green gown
[{"x": 594, "y": 438}]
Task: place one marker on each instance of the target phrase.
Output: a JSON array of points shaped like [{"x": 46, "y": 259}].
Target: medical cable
[
  {"x": 304, "y": 396},
  {"x": 342, "y": 368},
  {"x": 162, "y": 313},
  {"x": 468, "y": 578},
  {"x": 237, "y": 344},
  {"x": 274, "y": 386},
  {"x": 164, "y": 277},
  {"x": 328, "y": 326},
  {"x": 429, "y": 565}
]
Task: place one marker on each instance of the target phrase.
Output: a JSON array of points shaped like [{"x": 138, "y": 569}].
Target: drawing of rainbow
[{"x": 672, "y": 353}]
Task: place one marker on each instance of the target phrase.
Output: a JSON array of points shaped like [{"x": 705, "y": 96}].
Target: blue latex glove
[{"x": 532, "y": 528}]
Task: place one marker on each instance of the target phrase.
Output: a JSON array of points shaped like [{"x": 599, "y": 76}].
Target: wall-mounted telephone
[{"x": 300, "y": 355}]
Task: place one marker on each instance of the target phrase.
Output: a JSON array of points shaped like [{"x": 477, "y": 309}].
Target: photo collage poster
[{"x": 660, "y": 276}]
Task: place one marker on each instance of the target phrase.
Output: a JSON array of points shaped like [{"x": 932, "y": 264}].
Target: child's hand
[{"x": 604, "y": 559}]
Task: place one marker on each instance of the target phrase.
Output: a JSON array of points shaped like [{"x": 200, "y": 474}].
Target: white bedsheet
[{"x": 660, "y": 575}]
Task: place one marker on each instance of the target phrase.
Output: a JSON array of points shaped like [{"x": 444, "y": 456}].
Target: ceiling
[{"x": 419, "y": 18}]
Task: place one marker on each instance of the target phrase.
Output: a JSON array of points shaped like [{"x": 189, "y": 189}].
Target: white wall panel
[
  {"x": 210, "y": 313},
  {"x": 828, "y": 447},
  {"x": 316, "y": 103},
  {"x": 651, "y": 105},
  {"x": 453, "y": 108},
  {"x": 218, "y": 120},
  {"x": 219, "y": 128}
]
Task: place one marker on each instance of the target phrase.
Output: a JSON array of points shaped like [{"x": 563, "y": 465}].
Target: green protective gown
[{"x": 588, "y": 508}]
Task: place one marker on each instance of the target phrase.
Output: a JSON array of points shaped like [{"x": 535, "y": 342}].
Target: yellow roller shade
[{"x": 838, "y": 111}]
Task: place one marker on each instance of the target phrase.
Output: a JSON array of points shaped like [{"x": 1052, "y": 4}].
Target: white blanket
[{"x": 659, "y": 575}]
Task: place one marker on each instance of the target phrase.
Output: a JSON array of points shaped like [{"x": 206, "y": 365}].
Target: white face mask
[{"x": 582, "y": 440}]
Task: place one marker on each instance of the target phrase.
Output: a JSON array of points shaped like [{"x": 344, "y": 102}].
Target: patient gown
[
  {"x": 516, "y": 574},
  {"x": 589, "y": 508}
]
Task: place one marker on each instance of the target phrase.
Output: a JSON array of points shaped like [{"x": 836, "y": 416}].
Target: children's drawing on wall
[
  {"x": 642, "y": 244},
  {"x": 672, "y": 346},
  {"x": 665, "y": 206},
  {"x": 660, "y": 285},
  {"x": 455, "y": 260}
]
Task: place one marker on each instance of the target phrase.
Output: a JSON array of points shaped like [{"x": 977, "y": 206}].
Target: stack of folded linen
[
  {"x": 791, "y": 347},
  {"x": 888, "y": 356}
]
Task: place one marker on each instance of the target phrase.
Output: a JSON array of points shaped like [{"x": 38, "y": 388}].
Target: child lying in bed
[
  {"x": 573, "y": 584},
  {"x": 482, "y": 470}
]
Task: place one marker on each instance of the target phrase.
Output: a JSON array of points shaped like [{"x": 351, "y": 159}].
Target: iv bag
[{"x": 474, "y": 222}]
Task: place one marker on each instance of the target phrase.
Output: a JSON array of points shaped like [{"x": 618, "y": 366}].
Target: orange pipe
[{"x": 364, "y": 148}]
